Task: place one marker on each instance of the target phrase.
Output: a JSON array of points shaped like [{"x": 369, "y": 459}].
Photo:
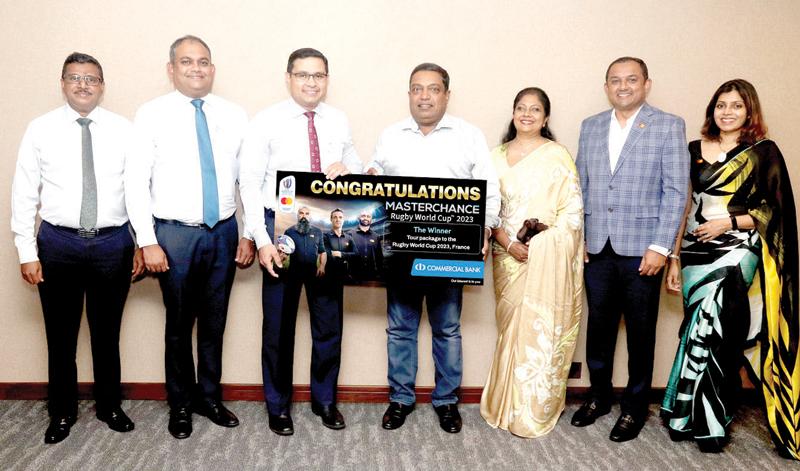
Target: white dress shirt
[
  {"x": 167, "y": 182},
  {"x": 50, "y": 157},
  {"x": 453, "y": 149},
  {"x": 617, "y": 135},
  {"x": 277, "y": 139}
]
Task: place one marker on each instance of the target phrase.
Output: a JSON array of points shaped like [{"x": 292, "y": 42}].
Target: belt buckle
[{"x": 87, "y": 233}]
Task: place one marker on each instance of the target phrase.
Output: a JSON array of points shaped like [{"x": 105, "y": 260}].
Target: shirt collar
[
  {"x": 71, "y": 115},
  {"x": 297, "y": 110},
  {"x": 630, "y": 120},
  {"x": 208, "y": 99},
  {"x": 447, "y": 122}
]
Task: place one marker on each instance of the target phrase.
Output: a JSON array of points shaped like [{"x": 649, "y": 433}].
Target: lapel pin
[{"x": 641, "y": 125}]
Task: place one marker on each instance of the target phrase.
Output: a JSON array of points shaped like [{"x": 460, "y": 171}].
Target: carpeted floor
[{"x": 363, "y": 445}]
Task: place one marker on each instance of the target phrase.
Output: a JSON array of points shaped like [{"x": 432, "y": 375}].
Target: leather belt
[
  {"x": 175, "y": 222},
  {"x": 86, "y": 233}
]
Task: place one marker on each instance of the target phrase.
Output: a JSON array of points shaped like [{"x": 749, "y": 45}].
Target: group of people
[{"x": 717, "y": 216}]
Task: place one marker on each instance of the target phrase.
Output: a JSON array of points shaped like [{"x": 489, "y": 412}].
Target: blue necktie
[{"x": 209, "y": 173}]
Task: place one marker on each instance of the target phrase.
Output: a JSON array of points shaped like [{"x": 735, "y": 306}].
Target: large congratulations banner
[{"x": 418, "y": 228}]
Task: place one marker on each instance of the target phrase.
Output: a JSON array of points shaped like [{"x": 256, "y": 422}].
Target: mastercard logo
[{"x": 286, "y": 200}]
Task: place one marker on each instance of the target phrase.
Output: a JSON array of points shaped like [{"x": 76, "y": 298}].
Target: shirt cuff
[
  {"x": 659, "y": 249},
  {"x": 28, "y": 254},
  {"x": 261, "y": 238}
]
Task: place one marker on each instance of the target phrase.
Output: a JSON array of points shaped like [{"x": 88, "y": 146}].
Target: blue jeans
[{"x": 444, "y": 313}]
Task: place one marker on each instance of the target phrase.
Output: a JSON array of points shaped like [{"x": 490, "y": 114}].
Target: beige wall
[{"x": 492, "y": 49}]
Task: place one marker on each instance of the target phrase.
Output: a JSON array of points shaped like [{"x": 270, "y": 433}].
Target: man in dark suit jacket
[{"x": 634, "y": 169}]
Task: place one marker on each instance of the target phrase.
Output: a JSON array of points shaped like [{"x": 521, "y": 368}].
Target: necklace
[{"x": 723, "y": 153}]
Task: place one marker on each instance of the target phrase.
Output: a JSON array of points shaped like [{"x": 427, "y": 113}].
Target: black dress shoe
[
  {"x": 217, "y": 413},
  {"x": 395, "y": 415},
  {"x": 590, "y": 411},
  {"x": 116, "y": 419},
  {"x": 449, "y": 418},
  {"x": 59, "y": 427},
  {"x": 626, "y": 428},
  {"x": 331, "y": 417},
  {"x": 180, "y": 422},
  {"x": 281, "y": 424}
]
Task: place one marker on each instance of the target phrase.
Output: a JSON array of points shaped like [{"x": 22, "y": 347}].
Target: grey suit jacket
[{"x": 642, "y": 201}]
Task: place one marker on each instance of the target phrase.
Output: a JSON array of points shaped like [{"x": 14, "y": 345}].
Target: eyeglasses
[
  {"x": 304, "y": 76},
  {"x": 90, "y": 80}
]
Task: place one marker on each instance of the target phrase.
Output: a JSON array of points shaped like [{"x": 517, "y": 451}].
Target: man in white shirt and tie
[
  {"x": 301, "y": 133},
  {"x": 185, "y": 180},
  {"x": 71, "y": 165}
]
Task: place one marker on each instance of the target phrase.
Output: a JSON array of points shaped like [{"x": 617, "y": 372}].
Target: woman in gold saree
[
  {"x": 738, "y": 253},
  {"x": 538, "y": 284}
]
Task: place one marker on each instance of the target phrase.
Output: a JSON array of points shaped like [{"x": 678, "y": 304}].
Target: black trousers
[
  {"x": 613, "y": 288},
  {"x": 325, "y": 312},
  {"x": 280, "y": 299},
  {"x": 98, "y": 269},
  {"x": 196, "y": 286}
]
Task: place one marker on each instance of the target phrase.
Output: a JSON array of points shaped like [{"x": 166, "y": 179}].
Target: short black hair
[
  {"x": 622, "y": 59},
  {"x": 181, "y": 40},
  {"x": 431, "y": 67},
  {"x": 81, "y": 58},
  {"x": 337, "y": 210},
  {"x": 304, "y": 53}
]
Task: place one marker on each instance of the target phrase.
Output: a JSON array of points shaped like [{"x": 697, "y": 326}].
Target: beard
[
  {"x": 302, "y": 226},
  {"x": 364, "y": 223}
]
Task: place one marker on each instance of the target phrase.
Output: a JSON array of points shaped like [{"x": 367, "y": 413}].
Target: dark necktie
[
  {"x": 89, "y": 194},
  {"x": 207, "y": 170},
  {"x": 313, "y": 143}
]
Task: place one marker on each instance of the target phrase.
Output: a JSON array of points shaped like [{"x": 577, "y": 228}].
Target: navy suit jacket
[{"x": 640, "y": 202}]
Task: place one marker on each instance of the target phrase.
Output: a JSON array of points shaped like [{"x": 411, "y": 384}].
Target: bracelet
[
  {"x": 674, "y": 257},
  {"x": 734, "y": 224},
  {"x": 509, "y": 244}
]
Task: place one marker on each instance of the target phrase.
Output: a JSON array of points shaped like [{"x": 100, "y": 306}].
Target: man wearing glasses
[
  {"x": 185, "y": 180},
  {"x": 72, "y": 162},
  {"x": 301, "y": 133},
  {"x": 430, "y": 143}
]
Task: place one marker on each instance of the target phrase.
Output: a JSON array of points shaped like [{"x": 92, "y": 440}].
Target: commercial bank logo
[{"x": 447, "y": 268}]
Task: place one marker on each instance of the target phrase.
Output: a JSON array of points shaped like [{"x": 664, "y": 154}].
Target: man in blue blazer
[{"x": 634, "y": 170}]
